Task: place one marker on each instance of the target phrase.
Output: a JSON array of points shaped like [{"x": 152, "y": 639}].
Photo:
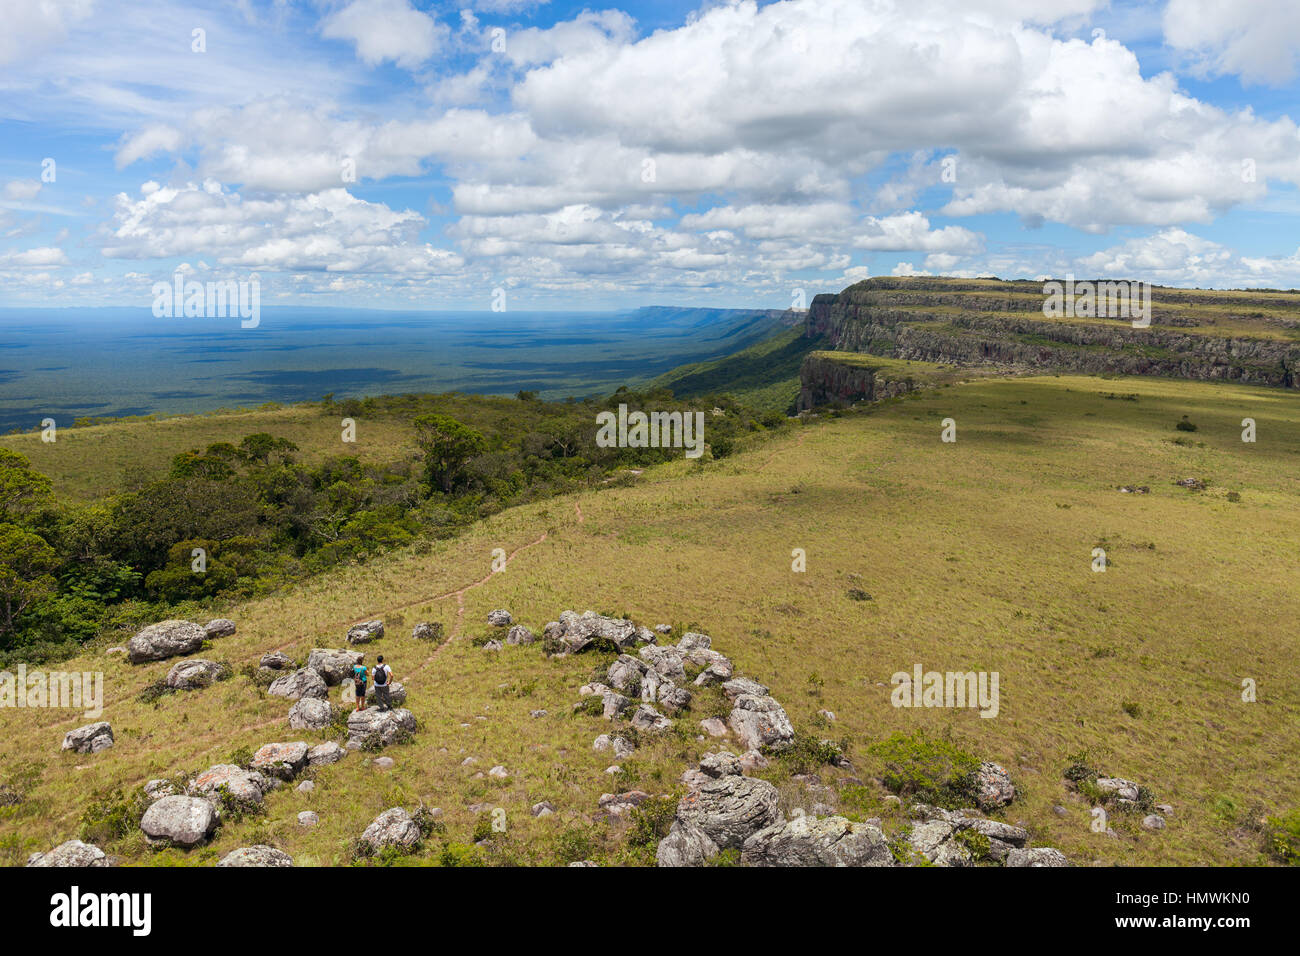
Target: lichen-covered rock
[
  {"x": 165, "y": 639},
  {"x": 674, "y": 700},
  {"x": 691, "y": 641},
  {"x": 685, "y": 845},
  {"x": 303, "y": 682},
  {"x": 1118, "y": 787},
  {"x": 718, "y": 672},
  {"x": 713, "y": 726},
  {"x": 73, "y": 853},
  {"x": 248, "y": 786},
  {"x": 157, "y": 788},
  {"x": 393, "y": 827},
  {"x": 993, "y": 787},
  {"x": 649, "y": 720},
  {"x": 760, "y": 722},
  {"x": 260, "y": 855},
  {"x": 614, "y": 705},
  {"x": 90, "y": 739},
  {"x": 818, "y": 841},
  {"x": 365, "y": 632},
  {"x": 310, "y": 713},
  {"x": 625, "y": 674},
  {"x": 1037, "y": 856},
  {"x": 275, "y": 661},
  {"x": 520, "y": 635},
  {"x": 195, "y": 674},
  {"x": 282, "y": 760},
  {"x": 666, "y": 661},
  {"x": 334, "y": 665},
  {"x": 728, "y": 808},
  {"x": 739, "y": 686},
  {"x": 428, "y": 631},
  {"x": 183, "y": 821},
  {"x": 379, "y": 728},
  {"x": 221, "y": 627},
  {"x": 324, "y": 754},
  {"x": 500, "y": 618}
]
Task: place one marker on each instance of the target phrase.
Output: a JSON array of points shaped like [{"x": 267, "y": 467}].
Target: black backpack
[{"x": 381, "y": 675}]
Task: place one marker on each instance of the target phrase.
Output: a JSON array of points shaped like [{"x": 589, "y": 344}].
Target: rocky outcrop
[
  {"x": 283, "y": 761},
  {"x": 324, "y": 754},
  {"x": 823, "y": 380},
  {"x": 221, "y": 627},
  {"x": 310, "y": 713},
  {"x": 813, "y": 841},
  {"x": 1037, "y": 856},
  {"x": 332, "y": 664},
  {"x": 303, "y": 682},
  {"x": 372, "y": 727},
  {"x": 960, "y": 323},
  {"x": 394, "y": 828},
  {"x": 260, "y": 855},
  {"x": 574, "y": 633},
  {"x": 761, "y": 723},
  {"x": 195, "y": 674},
  {"x": 73, "y": 853},
  {"x": 90, "y": 739},
  {"x": 275, "y": 661},
  {"x": 247, "y": 786},
  {"x": 182, "y": 821},
  {"x": 365, "y": 632},
  {"x": 721, "y": 812},
  {"x": 165, "y": 639}
]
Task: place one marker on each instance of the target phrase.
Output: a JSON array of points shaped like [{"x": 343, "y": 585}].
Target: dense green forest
[{"x": 243, "y": 517}]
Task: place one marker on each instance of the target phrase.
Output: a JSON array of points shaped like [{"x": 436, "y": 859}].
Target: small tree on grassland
[
  {"x": 26, "y": 566},
  {"x": 448, "y": 445}
]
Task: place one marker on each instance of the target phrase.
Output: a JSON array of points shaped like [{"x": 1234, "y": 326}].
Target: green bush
[
  {"x": 1283, "y": 837},
  {"x": 651, "y": 821},
  {"x": 934, "y": 770},
  {"x": 112, "y": 816}
]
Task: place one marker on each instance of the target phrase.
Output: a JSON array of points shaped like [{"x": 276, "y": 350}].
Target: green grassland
[{"x": 976, "y": 555}]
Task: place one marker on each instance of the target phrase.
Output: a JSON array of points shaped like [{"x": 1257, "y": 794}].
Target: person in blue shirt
[{"x": 359, "y": 682}]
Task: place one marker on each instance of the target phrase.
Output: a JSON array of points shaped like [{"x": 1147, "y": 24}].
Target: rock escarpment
[{"x": 1239, "y": 337}]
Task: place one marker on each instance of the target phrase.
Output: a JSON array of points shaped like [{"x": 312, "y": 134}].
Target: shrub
[
  {"x": 1283, "y": 838},
  {"x": 459, "y": 854},
  {"x": 651, "y": 821},
  {"x": 574, "y": 844},
  {"x": 935, "y": 770},
  {"x": 112, "y": 815},
  {"x": 1185, "y": 425},
  {"x": 811, "y": 753},
  {"x": 976, "y": 843}
]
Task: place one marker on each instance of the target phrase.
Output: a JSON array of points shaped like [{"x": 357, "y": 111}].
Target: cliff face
[
  {"x": 1002, "y": 324},
  {"x": 824, "y": 381}
]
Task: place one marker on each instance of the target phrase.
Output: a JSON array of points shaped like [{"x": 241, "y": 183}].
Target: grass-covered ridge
[{"x": 973, "y": 555}]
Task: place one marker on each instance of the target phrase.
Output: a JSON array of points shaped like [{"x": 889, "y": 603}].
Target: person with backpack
[
  {"x": 383, "y": 682},
  {"x": 359, "y": 682}
]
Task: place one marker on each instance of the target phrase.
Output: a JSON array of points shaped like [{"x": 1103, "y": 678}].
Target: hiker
[
  {"x": 383, "y": 680},
  {"x": 359, "y": 682}
]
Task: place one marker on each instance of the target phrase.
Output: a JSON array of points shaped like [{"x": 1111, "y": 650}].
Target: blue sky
[{"x": 407, "y": 154}]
